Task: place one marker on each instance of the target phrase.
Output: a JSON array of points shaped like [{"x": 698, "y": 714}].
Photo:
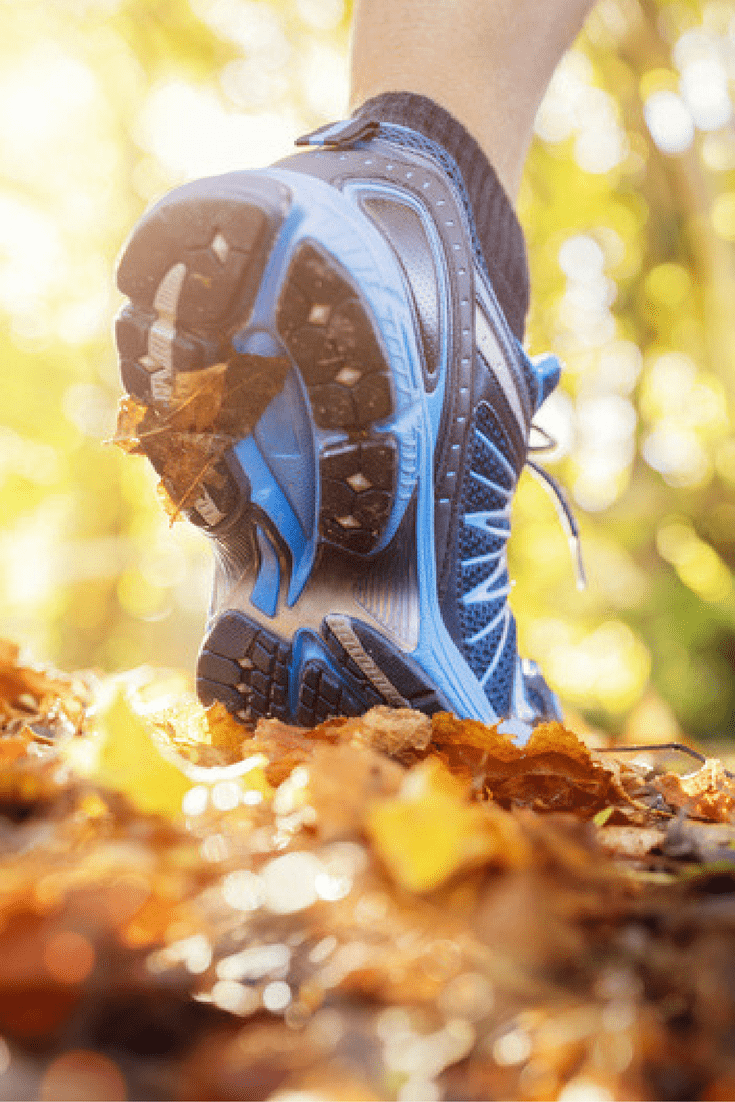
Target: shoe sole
[
  {"x": 183, "y": 317},
  {"x": 203, "y": 271}
]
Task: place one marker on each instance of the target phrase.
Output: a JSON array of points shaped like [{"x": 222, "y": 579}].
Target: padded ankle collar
[{"x": 499, "y": 232}]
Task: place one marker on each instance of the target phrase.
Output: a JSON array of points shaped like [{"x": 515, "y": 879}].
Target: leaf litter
[
  {"x": 389, "y": 907},
  {"x": 186, "y": 434}
]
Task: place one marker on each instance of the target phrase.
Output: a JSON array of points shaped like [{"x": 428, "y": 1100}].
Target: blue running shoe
[{"x": 373, "y": 423}]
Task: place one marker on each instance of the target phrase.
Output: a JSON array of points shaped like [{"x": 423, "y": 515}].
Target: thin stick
[{"x": 656, "y": 746}]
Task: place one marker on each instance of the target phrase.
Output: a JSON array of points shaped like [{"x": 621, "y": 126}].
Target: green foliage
[
  {"x": 637, "y": 303},
  {"x": 106, "y": 103}
]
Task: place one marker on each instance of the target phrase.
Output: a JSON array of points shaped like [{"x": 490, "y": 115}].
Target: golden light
[
  {"x": 69, "y": 957},
  {"x": 84, "y": 1076}
]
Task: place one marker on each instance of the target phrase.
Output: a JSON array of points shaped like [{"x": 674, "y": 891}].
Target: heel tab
[{"x": 341, "y": 135}]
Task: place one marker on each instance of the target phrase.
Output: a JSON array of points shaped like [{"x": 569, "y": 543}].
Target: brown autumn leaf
[
  {"x": 207, "y": 412},
  {"x": 342, "y": 780},
  {"x": 224, "y": 732},
  {"x": 284, "y": 746},
  {"x": 630, "y": 841},
  {"x": 706, "y": 794},
  {"x": 630, "y": 783},
  {"x": 18, "y": 680},
  {"x": 30, "y": 694},
  {"x": 467, "y": 745},
  {"x": 182, "y": 441},
  {"x": 210, "y": 737},
  {"x": 398, "y": 732},
  {"x": 555, "y": 771},
  {"x": 184, "y": 461},
  {"x": 500, "y": 949},
  {"x": 130, "y": 415},
  {"x": 197, "y": 400}
]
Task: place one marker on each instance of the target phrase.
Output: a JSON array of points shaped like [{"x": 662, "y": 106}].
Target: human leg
[
  {"x": 373, "y": 414},
  {"x": 487, "y": 62}
]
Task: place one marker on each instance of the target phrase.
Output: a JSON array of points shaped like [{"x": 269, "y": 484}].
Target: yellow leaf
[
  {"x": 131, "y": 761},
  {"x": 225, "y": 733},
  {"x": 430, "y": 830}
]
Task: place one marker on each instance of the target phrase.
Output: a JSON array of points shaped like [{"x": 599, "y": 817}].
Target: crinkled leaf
[
  {"x": 555, "y": 771},
  {"x": 130, "y": 415},
  {"x": 706, "y": 794}
]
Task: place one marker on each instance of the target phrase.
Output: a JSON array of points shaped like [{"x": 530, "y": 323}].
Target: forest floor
[{"x": 391, "y": 907}]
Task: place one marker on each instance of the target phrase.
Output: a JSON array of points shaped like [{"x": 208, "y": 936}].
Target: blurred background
[{"x": 629, "y": 207}]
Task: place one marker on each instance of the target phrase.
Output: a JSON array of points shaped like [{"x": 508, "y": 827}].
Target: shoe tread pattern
[
  {"x": 415, "y": 690},
  {"x": 322, "y": 696},
  {"x": 331, "y": 338},
  {"x": 221, "y": 243},
  {"x": 249, "y": 669},
  {"x": 246, "y": 667}
]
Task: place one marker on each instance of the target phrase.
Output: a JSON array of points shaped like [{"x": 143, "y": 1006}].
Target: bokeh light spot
[
  {"x": 668, "y": 285},
  {"x": 290, "y": 882},
  {"x": 83, "y": 1076},
  {"x": 255, "y": 962},
  {"x": 235, "y": 997},
  {"x": 69, "y": 957},
  {"x": 512, "y": 1048},
  {"x": 697, "y": 563},
  {"x": 704, "y": 88},
  {"x": 243, "y": 890},
  {"x": 195, "y": 800},
  {"x": 276, "y": 996},
  {"x": 669, "y": 121},
  {"x": 723, "y": 215}
]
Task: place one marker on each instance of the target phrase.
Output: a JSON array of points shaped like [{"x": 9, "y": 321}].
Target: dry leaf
[
  {"x": 130, "y": 759},
  {"x": 207, "y": 412},
  {"x": 342, "y": 780},
  {"x": 184, "y": 460},
  {"x": 130, "y": 415},
  {"x": 224, "y": 732},
  {"x": 285, "y": 747},
  {"x": 399, "y": 732},
  {"x": 20, "y": 681},
  {"x": 555, "y": 771},
  {"x": 628, "y": 841},
  {"x": 197, "y": 400},
  {"x": 430, "y": 830},
  {"x": 393, "y": 927},
  {"x": 707, "y": 794}
]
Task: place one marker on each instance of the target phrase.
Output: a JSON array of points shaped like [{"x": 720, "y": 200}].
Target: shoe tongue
[{"x": 546, "y": 370}]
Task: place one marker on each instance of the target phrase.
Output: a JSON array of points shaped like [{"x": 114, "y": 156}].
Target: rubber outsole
[
  {"x": 192, "y": 271},
  {"x": 188, "y": 301},
  {"x": 330, "y": 336},
  {"x": 256, "y": 675}
]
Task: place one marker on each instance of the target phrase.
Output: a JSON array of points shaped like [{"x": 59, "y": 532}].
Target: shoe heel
[
  {"x": 246, "y": 667},
  {"x": 255, "y": 674}
]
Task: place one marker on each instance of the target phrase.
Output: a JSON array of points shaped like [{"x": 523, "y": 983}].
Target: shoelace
[{"x": 563, "y": 508}]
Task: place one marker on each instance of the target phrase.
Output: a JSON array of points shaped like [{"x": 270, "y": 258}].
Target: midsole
[{"x": 321, "y": 213}]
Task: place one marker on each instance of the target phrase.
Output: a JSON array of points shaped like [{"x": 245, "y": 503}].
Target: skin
[{"x": 488, "y": 62}]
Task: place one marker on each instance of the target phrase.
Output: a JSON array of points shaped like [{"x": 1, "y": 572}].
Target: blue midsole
[{"x": 321, "y": 213}]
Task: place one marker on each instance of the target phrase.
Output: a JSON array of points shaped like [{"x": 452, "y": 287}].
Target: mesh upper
[{"x": 493, "y": 656}]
